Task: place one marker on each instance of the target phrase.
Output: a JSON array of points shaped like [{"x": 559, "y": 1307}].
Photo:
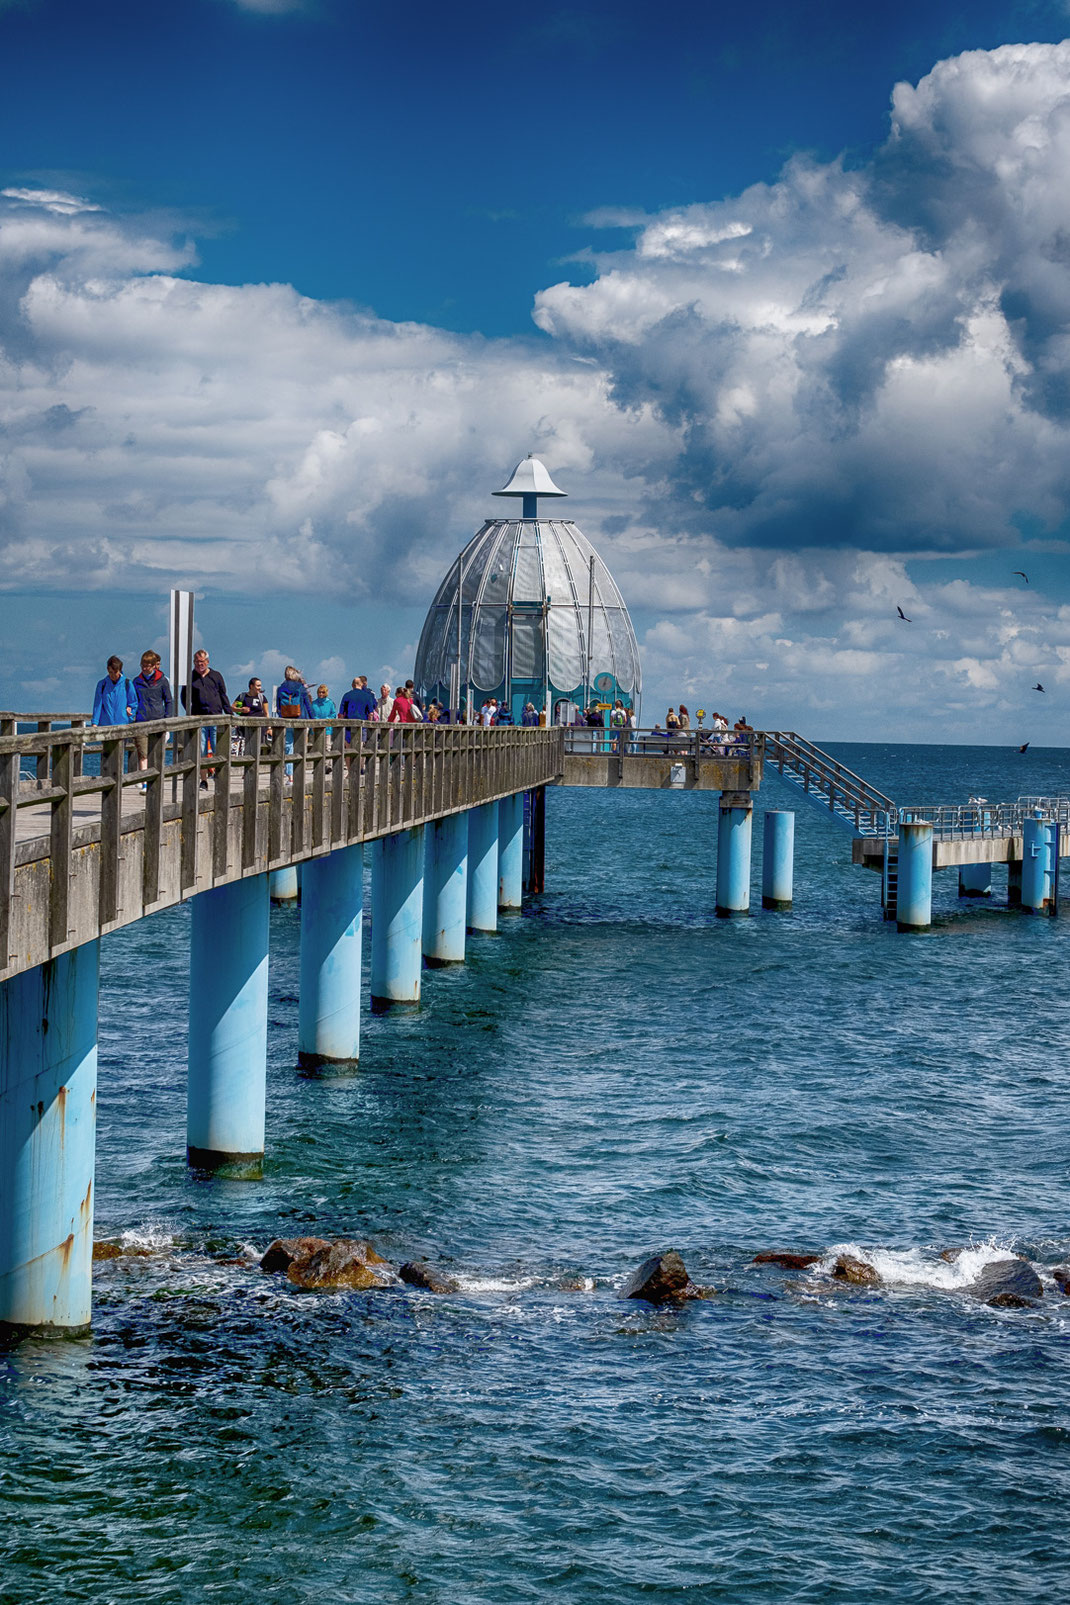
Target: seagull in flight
[
  {"x": 1021, "y": 573},
  {"x": 1038, "y": 686},
  {"x": 902, "y": 615}
]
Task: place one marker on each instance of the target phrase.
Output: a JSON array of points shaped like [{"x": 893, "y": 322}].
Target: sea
[{"x": 615, "y": 1073}]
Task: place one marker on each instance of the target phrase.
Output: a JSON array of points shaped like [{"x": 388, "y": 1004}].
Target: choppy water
[{"x": 615, "y": 1073}]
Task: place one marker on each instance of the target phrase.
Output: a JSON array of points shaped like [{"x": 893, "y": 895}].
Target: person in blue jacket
[
  {"x": 115, "y": 701},
  {"x": 292, "y": 702},
  {"x": 154, "y": 701}
]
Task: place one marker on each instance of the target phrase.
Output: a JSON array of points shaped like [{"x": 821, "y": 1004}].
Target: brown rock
[
  {"x": 345, "y": 1263},
  {"x": 1009, "y": 1301},
  {"x": 1061, "y": 1276},
  {"x": 418, "y": 1273},
  {"x": 790, "y": 1262},
  {"x": 661, "y": 1279},
  {"x": 855, "y": 1271},
  {"x": 109, "y": 1250},
  {"x": 283, "y": 1251},
  {"x": 951, "y": 1255},
  {"x": 692, "y": 1290}
]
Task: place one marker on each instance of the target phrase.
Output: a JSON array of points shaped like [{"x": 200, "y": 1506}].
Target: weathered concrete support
[
  {"x": 778, "y": 859},
  {"x": 445, "y": 889},
  {"x": 1036, "y": 865},
  {"x": 48, "y": 1090},
  {"x": 228, "y": 997},
  {"x": 975, "y": 880},
  {"x": 511, "y": 851},
  {"x": 1014, "y": 883},
  {"x": 332, "y": 913},
  {"x": 284, "y": 884},
  {"x": 535, "y": 846},
  {"x": 914, "y": 904},
  {"x": 733, "y": 853},
  {"x": 483, "y": 867},
  {"x": 397, "y": 917}
]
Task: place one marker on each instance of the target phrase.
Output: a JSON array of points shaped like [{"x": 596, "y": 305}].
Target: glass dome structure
[{"x": 531, "y": 613}]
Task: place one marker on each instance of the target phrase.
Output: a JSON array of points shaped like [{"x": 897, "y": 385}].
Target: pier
[{"x": 452, "y": 819}]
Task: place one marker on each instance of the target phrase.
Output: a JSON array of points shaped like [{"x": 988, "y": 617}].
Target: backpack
[{"x": 290, "y": 699}]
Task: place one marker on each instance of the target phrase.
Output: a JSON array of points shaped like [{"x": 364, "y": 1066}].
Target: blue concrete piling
[
  {"x": 48, "y": 1090},
  {"x": 397, "y": 917},
  {"x": 1036, "y": 865},
  {"x": 228, "y": 997},
  {"x": 445, "y": 890},
  {"x": 778, "y": 859},
  {"x": 332, "y": 911},
  {"x": 975, "y": 880},
  {"x": 511, "y": 852},
  {"x": 284, "y": 884},
  {"x": 733, "y": 854},
  {"x": 483, "y": 867},
  {"x": 914, "y": 903}
]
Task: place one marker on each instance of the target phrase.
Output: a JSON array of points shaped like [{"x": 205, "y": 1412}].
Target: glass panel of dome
[
  {"x": 566, "y": 655},
  {"x": 528, "y": 661},
  {"x": 558, "y": 579},
  {"x": 527, "y": 571},
  {"x": 624, "y": 653},
  {"x": 488, "y": 649}
]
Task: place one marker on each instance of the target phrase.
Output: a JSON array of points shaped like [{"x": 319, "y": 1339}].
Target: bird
[
  {"x": 1038, "y": 686},
  {"x": 1024, "y": 747},
  {"x": 902, "y": 615},
  {"x": 1021, "y": 572}
]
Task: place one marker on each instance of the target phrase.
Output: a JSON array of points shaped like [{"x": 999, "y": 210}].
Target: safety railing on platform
[
  {"x": 582, "y": 740},
  {"x": 354, "y": 782}
]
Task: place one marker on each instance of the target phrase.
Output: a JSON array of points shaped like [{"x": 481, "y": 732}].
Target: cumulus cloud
[{"x": 875, "y": 356}]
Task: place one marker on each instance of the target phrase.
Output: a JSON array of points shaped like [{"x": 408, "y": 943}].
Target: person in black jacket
[
  {"x": 154, "y": 701},
  {"x": 208, "y": 695}
]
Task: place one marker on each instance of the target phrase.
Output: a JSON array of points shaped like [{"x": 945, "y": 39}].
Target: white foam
[
  {"x": 155, "y": 1236},
  {"x": 918, "y": 1267},
  {"x": 493, "y": 1284}
]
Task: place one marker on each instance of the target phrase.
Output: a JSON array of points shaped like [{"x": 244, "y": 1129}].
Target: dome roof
[
  {"x": 530, "y": 589},
  {"x": 530, "y": 478}
]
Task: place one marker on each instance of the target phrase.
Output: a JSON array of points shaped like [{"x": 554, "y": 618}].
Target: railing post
[{"x": 62, "y": 836}]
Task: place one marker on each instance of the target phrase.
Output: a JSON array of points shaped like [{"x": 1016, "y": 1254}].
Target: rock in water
[
  {"x": 1061, "y": 1274},
  {"x": 790, "y": 1262},
  {"x": 345, "y": 1263},
  {"x": 661, "y": 1279},
  {"x": 855, "y": 1271},
  {"x": 418, "y": 1273},
  {"x": 1013, "y": 1275},
  {"x": 281, "y": 1254}
]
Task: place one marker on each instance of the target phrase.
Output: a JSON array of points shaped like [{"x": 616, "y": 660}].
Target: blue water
[{"x": 615, "y": 1073}]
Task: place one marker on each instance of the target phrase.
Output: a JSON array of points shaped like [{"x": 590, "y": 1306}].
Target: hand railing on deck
[
  {"x": 584, "y": 740},
  {"x": 352, "y": 781}
]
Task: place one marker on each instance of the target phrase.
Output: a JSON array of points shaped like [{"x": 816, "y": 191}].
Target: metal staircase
[{"x": 836, "y": 791}]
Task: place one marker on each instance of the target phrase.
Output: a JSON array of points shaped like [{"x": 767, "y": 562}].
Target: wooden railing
[{"x": 81, "y": 855}]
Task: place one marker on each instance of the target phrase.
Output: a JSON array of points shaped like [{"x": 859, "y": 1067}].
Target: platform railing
[
  {"x": 341, "y": 782},
  {"x": 585, "y": 740}
]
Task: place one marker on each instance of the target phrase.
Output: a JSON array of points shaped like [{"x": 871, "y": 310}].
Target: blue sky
[{"x": 285, "y": 290}]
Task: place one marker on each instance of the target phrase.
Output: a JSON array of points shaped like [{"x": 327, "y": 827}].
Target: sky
[{"x": 781, "y": 295}]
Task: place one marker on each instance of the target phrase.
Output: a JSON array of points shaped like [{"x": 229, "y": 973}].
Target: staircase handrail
[{"x": 801, "y": 751}]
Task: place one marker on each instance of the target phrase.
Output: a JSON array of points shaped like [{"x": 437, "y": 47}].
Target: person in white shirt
[{"x": 386, "y": 703}]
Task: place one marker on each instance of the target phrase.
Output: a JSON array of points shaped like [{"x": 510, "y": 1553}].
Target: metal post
[
  {"x": 1036, "y": 871},
  {"x": 48, "y": 1085},
  {"x": 511, "y": 851},
  {"x": 332, "y": 911},
  {"x": 914, "y": 905},
  {"x": 445, "y": 890},
  {"x": 228, "y": 998},
  {"x": 590, "y": 632},
  {"x": 284, "y": 884},
  {"x": 397, "y": 917},
  {"x": 733, "y": 854},
  {"x": 975, "y": 880},
  {"x": 483, "y": 867},
  {"x": 778, "y": 854}
]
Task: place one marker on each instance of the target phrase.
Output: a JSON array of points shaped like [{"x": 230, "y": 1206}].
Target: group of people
[{"x": 716, "y": 737}]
